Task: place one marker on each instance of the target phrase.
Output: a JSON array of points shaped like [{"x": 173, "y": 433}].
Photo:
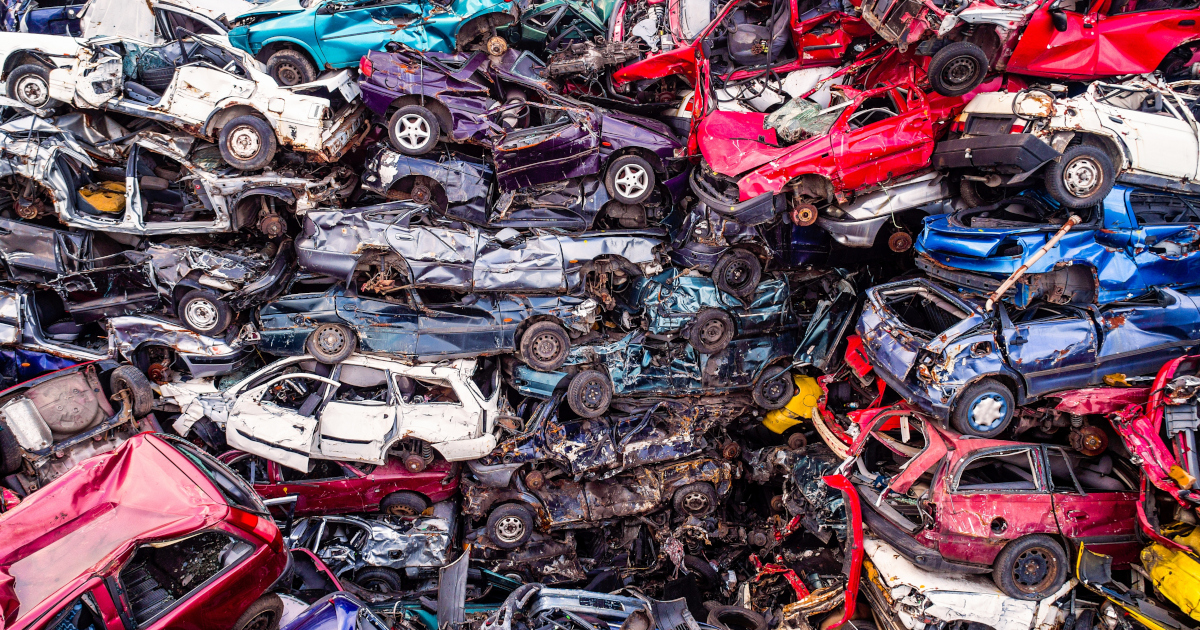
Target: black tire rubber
[
  {"x": 615, "y": 166},
  {"x": 711, "y": 331},
  {"x": 263, "y": 614},
  {"x": 268, "y": 145},
  {"x": 31, "y": 70},
  {"x": 509, "y": 515},
  {"x": 589, "y": 393},
  {"x": 947, "y": 64},
  {"x": 706, "y": 575},
  {"x": 1031, "y": 550},
  {"x": 693, "y": 492},
  {"x": 290, "y": 67},
  {"x": 960, "y": 415},
  {"x": 205, "y": 299},
  {"x": 544, "y": 346},
  {"x": 1057, "y": 170},
  {"x": 774, "y": 388},
  {"x": 403, "y": 503},
  {"x": 976, "y": 194},
  {"x": 378, "y": 579},
  {"x": 735, "y": 618},
  {"x": 326, "y": 351},
  {"x": 737, "y": 272},
  {"x": 127, "y": 377},
  {"x": 430, "y": 120},
  {"x": 10, "y": 451}
]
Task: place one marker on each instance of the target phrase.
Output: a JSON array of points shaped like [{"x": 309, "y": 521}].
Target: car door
[
  {"x": 277, "y": 420},
  {"x": 886, "y": 136},
  {"x": 436, "y": 257},
  {"x": 533, "y": 263},
  {"x": 96, "y": 81},
  {"x": 383, "y": 325},
  {"x": 1052, "y": 346},
  {"x": 436, "y": 410},
  {"x": 1168, "y": 233},
  {"x": 448, "y": 327},
  {"x": 1043, "y": 50},
  {"x": 34, "y": 253},
  {"x": 345, "y": 30},
  {"x": 561, "y": 143},
  {"x": 1132, "y": 39},
  {"x": 1141, "y": 335},
  {"x": 1160, "y": 140},
  {"x": 328, "y": 488},
  {"x": 190, "y": 105},
  {"x": 1094, "y": 503},
  {"x": 98, "y": 294},
  {"x": 358, "y": 422}
]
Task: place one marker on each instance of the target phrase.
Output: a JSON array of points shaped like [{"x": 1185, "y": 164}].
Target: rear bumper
[
  {"x": 344, "y": 135},
  {"x": 1021, "y": 151}
]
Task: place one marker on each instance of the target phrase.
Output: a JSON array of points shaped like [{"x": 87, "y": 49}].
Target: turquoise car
[{"x": 298, "y": 39}]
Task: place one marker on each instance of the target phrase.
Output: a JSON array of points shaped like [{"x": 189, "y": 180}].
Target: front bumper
[
  {"x": 750, "y": 212},
  {"x": 1018, "y": 151},
  {"x": 201, "y": 366}
]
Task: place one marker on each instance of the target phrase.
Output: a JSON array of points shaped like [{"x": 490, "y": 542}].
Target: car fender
[
  {"x": 313, "y": 53},
  {"x": 231, "y": 108}
]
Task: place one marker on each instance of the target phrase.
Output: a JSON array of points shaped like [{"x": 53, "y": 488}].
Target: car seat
[
  {"x": 53, "y": 319},
  {"x": 754, "y": 44}
]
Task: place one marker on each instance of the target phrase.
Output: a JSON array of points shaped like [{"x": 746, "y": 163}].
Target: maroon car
[
  {"x": 154, "y": 534},
  {"x": 966, "y": 505},
  {"x": 339, "y": 487}
]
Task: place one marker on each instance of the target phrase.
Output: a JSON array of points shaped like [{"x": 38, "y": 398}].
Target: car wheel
[
  {"x": 403, "y": 503},
  {"x": 711, "y": 331},
  {"x": 510, "y": 525},
  {"x": 737, "y": 272},
  {"x": 413, "y": 130},
  {"x": 290, "y": 67},
  {"x": 589, "y": 394},
  {"x": 1030, "y": 568},
  {"x": 247, "y": 143},
  {"x": 958, "y": 68},
  {"x": 203, "y": 312},
  {"x": 130, "y": 379},
  {"x": 735, "y": 618},
  {"x": 331, "y": 343},
  {"x": 545, "y": 346},
  {"x": 30, "y": 84},
  {"x": 1081, "y": 177},
  {"x": 629, "y": 179},
  {"x": 378, "y": 580},
  {"x": 706, "y": 575},
  {"x": 774, "y": 389},
  {"x": 263, "y": 614},
  {"x": 10, "y": 451},
  {"x": 696, "y": 499},
  {"x": 984, "y": 409},
  {"x": 976, "y": 194}
]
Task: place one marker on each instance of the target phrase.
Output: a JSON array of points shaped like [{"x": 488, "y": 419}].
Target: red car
[
  {"x": 963, "y": 505},
  {"x": 154, "y": 534},
  {"x": 339, "y": 487}
]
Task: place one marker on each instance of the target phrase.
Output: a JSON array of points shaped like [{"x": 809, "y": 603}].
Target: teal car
[
  {"x": 550, "y": 25},
  {"x": 298, "y": 39}
]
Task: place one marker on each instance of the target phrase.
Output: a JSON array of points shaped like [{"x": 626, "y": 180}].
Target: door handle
[
  {"x": 1187, "y": 22},
  {"x": 1077, "y": 515}
]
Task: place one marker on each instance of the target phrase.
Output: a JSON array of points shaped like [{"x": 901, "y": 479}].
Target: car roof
[{"x": 95, "y": 514}]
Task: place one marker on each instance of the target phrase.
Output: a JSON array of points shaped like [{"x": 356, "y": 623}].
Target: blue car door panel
[
  {"x": 1053, "y": 347},
  {"x": 382, "y": 325}
]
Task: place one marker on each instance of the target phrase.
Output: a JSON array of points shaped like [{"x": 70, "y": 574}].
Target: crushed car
[{"x": 376, "y": 553}]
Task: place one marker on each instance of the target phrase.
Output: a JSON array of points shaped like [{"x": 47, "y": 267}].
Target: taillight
[
  {"x": 262, "y": 528},
  {"x": 364, "y": 66},
  {"x": 1018, "y": 127},
  {"x": 960, "y": 123}
]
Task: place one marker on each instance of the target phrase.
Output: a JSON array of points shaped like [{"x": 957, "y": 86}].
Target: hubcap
[
  {"x": 987, "y": 411},
  {"x": 331, "y": 340},
  {"x": 245, "y": 143},
  {"x": 546, "y": 347},
  {"x": 960, "y": 71},
  {"x": 33, "y": 91},
  {"x": 695, "y": 502},
  {"x": 201, "y": 314},
  {"x": 631, "y": 181},
  {"x": 412, "y": 132},
  {"x": 1082, "y": 176},
  {"x": 1034, "y": 569},
  {"x": 510, "y": 529}
]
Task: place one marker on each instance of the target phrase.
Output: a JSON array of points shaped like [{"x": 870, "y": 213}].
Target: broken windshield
[{"x": 800, "y": 119}]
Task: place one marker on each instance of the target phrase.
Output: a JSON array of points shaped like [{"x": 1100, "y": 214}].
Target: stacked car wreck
[{"x": 635, "y": 314}]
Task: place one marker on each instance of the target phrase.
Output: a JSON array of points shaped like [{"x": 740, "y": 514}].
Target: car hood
[
  {"x": 735, "y": 142},
  {"x": 941, "y": 236},
  {"x": 278, "y": 7}
]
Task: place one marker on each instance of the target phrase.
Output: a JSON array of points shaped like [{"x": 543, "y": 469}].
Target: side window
[
  {"x": 1164, "y": 209},
  {"x": 177, "y": 21},
  {"x": 1104, "y": 474},
  {"x": 252, "y": 468},
  {"x": 873, "y": 110},
  {"x": 159, "y": 576},
  {"x": 1062, "y": 478},
  {"x": 1010, "y": 470},
  {"x": 81, "y": 614},
  {"x": 322, "y": 470},
  {"x": 297, "y": 393},
  {"x": 425, "y": 391},
  {"x": 345, "y": 535},
  {"x": 362, "y": 384},
  {"x": 1073, "y": 6}
]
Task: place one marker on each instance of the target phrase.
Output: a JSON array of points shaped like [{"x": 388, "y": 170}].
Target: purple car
[{"x": 536, "y": 136}]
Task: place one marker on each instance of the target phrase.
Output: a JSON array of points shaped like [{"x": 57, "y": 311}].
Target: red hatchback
[
  {"x": 339, "y": 487},
  {"x": 154, "y": 534}
]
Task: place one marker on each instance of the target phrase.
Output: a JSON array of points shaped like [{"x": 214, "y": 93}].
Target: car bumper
[
  {"x": 754, "y": 211},
  {"x": 909, "y": 393},
  {"x": 1023, "y": 151},
  {"x": 201, "y": 366},
  {"x": 344, "y": 135},
  {"x": 973, "y": 282}
]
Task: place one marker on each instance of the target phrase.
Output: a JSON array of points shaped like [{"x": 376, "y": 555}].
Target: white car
[
  {"x": 358, "y": 410},
  {"x": 210, "y": 89},
  {"x": 1138, "y": 133}
]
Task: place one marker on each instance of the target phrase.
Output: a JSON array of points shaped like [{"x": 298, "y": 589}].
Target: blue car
[
  {"x": 337, "y": 611},
  {"x": 970, "y": 367},
  {"x": 1137, "y": 239}
]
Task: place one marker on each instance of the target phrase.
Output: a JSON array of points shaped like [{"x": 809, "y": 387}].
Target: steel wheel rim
[
  {"x": 33, "y": 90},
  {"x": 712, "y": 332},
  {"x": 412, "y": 131},
  {"x": 510, "y": 529},
  {"x": 1034, "y": 569},
  {"x": 201, "y": 314},
  {"x": 1083, "y": 176},
  {"x": 592, "y": 396},
  {"x": 546, "y": 347},
  {"x": 245, "y": 142},
  {"x": 631, "y": 181},
  {"x": 262, "y": 621},
  {"x": 987, "y": 410},
  {"x": 737, "y": 274},
  {"x": 288, "y": 74},
  {"x": 774, "y": 389},
  {"x": 695, "y": 502},
  {"x": 331, "y": 340},
  {"x": 961, "y": 70}
]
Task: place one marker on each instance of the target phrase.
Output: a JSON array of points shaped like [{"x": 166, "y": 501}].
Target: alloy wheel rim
[
  {"x": 510, "y": 529},
  {"x": 631, "y": 181},
  {"x": 413, "y": 132},
  {"x": 695, "y": 502}
]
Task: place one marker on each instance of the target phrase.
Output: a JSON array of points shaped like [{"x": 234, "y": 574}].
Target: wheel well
[
  {"x": 445, "y": 121},
  {"x": 523, "y": 326},
  {"x": 812, "y": 185},
  {"x": 787, "y": 360},
  {"x": 1016, "y": 389},
  {"x": 479, "y": 25},
  {"x": 1104, "y": 144},
  {"x": 986, "y": 38},
  {"x": 21, "y": 58},
  {"x": 642, "y": 152},
  {"x": 219, "y": 119},
  {"x": 402, "y": 188},
  {"x": 274, "y": 47}
]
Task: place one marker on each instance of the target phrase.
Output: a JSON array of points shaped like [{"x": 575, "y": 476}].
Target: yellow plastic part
[
  {"x": 800, "y": 407},
  {"x": 106, "y": 197},
  {"x": 1181, "y": 477},
  {"x": 1176, "y": 574}
]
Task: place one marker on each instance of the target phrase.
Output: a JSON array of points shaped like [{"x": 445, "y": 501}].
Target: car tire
[
  {"x": 403, "y": 503},
  {"x": 735, "y": 618},
  {"x": 976, "y": 194},
  {"x": 958, "y": 68},
  {"x": 711, "y": 331},
  {"x": 737, "y": 273},
  {"x": 774, "y": 389},
  {"x": 290, "y": 67},
  {"x": 706, "y": 576},
  {"x": 984, "y": 409},
  {"x": 413, "y": 130},
  {"x": 263, "y": 614},
  {"x": 695, "y": 499},
  {"x": 629, "y": 179},
  {"x": 1031, "y": 568},
  {"x": 1081, "y": 177},
  {"x": 130, "y": 379},
  {"x": 331, "y": 343},
  {"x": 510, "y": 525},
  {"x": 589, "y": 393},
  {"x": 203, "y": 312},
  {"x": 247, "y": 143},
  {"x": 379, "y": 580},
  {"x": 544, "y": 346},
  {"x": 10, "y": 451},
  {"x": 30, "y": 84}
]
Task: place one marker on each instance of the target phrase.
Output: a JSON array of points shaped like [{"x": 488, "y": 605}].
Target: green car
[{"x": 550, "y": 25}]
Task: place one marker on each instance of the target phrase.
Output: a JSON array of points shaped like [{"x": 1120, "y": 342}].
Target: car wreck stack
[{"x": 631, "y": 315}]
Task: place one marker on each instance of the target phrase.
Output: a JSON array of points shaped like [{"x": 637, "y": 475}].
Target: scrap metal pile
[{"x": 600, "y": 315}]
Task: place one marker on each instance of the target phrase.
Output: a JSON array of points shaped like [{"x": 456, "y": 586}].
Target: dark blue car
[{"x": 337, "y": 611}]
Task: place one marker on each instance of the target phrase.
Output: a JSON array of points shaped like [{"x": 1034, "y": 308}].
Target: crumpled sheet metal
[
  {"x": 466, "y": 182},
  {"x": 127, "y": 333},
  {"x": 38, "y": 254},
  {"x": 670, "y": 302},
  {"x": 393, "y": 542},
  {"x": 29, "y": 147},
  {"x": 173, "y": 264}
]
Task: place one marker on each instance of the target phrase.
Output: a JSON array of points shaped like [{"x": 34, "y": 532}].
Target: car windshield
[
  {"x": 801, "y": 119},
  {"x": 694, "y": 15},
  {"x": 233, "y": 488}
]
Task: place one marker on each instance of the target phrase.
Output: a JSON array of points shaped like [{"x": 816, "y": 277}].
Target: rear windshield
[{"x": 236, "y": 491}]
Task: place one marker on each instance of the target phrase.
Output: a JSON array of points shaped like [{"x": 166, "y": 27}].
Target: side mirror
[{"x": 1059, "y": 19}]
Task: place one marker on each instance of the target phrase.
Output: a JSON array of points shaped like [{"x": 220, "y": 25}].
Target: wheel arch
[
  {"x": 21, "y": 57},
  {"x": 275, "y": 44},
  {"x": 529, "y": 321},
  {"x": 1107, "y": 142},
  {"x": 225, "y": 113},
  {"x": 642, "y": 152},
  {"x": 473, "y": 27},
  {"x": 439, "y": 109}
]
